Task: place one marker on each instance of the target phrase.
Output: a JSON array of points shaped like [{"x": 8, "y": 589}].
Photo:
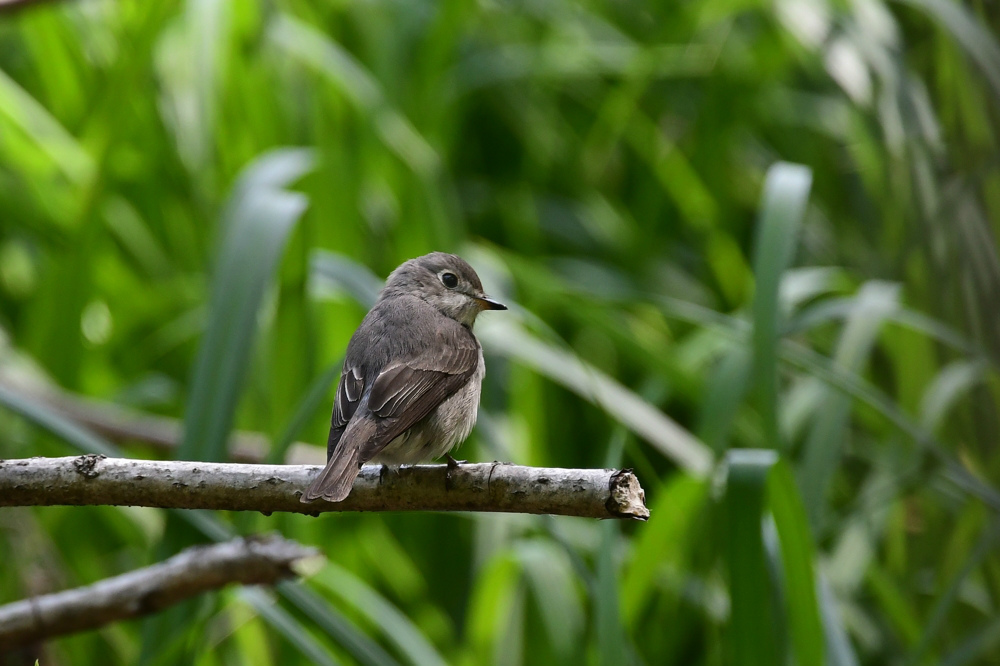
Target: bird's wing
[
  {"x": 407, "y": 391},
  {"x": 345, "y": 403}
]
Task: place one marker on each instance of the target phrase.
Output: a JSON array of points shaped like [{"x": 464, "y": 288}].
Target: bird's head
[{"x": 445, "y": 281}]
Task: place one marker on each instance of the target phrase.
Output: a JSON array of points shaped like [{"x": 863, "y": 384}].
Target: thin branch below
[
  {"x": 497, "y": 487},
  {"x": 122, "y": 424},
  {"x": 250, "y": 561}
]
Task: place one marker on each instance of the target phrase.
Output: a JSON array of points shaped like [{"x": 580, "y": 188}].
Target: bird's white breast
[{"x": 441, "y": 430}]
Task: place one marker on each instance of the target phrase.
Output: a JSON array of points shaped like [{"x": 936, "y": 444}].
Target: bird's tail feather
[{"x": 335, "y": 481}]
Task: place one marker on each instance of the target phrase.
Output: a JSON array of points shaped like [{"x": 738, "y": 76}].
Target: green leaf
[
  {"x": 24, "y": 111},
  {"x": 340, "y": 68},
  {"x": 798, "y": 559},
  {"x": 550, "y": 574},
  {"x": 950, "y": 384},
  {"x": 309, "y": 404},
  {"x": 761, "y": 605},
  {"x": 391, "y": 621},
  {"x": 987, "y": 542},
  {"x": 326, "y": 618},
  {"x": 335, "y": 271},
  {"x": 496, "y": 611},
  {"x": 658, "y": 551},
  {"x": 724, "y": 397},
  {"x": 894, "y": 603},
  {"x": 287, "y": 626},
  {"x": 666, "y": 435},
  {"x": 980, "y": 45},
  {"x": 839, "y": 651},
  {"x": 258, "y": 218},
  {"x": 786, "y": 192},
  {"x": 826, "y": 441},
  {"x": 974, "y": 646},
  {"x": 42, "y": 415},
  {"x": 611, "y": 639},
  {"x": 753, "y": 640}
]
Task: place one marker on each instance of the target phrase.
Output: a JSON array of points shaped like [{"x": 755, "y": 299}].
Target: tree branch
[
  {"x": 250, "y": 561},
  {"x": 500, "y": 487}
]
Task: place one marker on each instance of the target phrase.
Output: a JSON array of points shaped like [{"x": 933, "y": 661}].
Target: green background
[{"x": 750, "y": 250}]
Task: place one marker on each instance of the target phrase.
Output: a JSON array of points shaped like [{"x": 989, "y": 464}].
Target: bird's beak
[{"x": 488, "y": 303}]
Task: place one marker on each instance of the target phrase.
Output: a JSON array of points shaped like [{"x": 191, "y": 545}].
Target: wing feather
[
  {"x": 345, "y": 403},
  {"x": 406, "y": 392}
]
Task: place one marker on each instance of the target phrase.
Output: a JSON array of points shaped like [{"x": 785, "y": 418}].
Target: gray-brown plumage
[{"x": 409, "y": 389}]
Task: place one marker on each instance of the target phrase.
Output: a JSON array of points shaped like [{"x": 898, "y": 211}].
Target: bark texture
[
  {"x": 498, "y": 487},
  {"x": 250, "y": 561}
]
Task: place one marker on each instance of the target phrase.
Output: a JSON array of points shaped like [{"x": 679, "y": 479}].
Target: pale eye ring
[{"x": 449, "y": 279}]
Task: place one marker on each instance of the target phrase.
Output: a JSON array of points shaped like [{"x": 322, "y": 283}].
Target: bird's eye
[{"x": 449, "y": 280}]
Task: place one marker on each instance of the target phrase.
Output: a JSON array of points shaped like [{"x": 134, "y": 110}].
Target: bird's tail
[{"x": 335, "y": 481}]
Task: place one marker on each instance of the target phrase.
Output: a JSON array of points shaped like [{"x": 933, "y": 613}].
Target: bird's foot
[
  {"x": 385, "y": 470},
  {"x": 452, "y": 466}
]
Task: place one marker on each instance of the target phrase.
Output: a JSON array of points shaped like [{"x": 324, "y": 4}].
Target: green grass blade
[
  {"x": 287, "y": 626},
  {"x": 847, "y": 382},
  {"x": 41, "y": 415},
  {"x": 987, "y": 542},
  {"x": 825, "y": 443},
  {"x": 661, "y": 546},
  {"x": 550, "y": 574},
  {"x": 309, "y": 404},
  {"x": 665, "y": 434},
  {"x": 496, "y": 610},
  {"x": 23, "y": 111},
  {"x": 347, "y": 74},
  {"x": 953, "y": 382},
  {"x": 259, "y": 216},
  {"x": 611, "y": 639},
  {"x": 336, "y": 271},
  {"x": 724, "y": 397},
  {"x": 839, "y": 650},
  {"x": 256, "y": 222},
  {"x": 798, "y": 561},
  {"x": 391, "y": 621},
  {"x": 756, "y": 480},
  {"x": 895, "y": 604},
  {"x": 752, "y": 639},
  {"x": 976, "y": 39},
  {"x": 981, "y": 641},
  {"x": 327, "y": 619},
  {"x": 786, "y": 192}
]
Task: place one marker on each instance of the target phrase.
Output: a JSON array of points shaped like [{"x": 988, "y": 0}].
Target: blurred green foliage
[{"x": 724, "y": 226}]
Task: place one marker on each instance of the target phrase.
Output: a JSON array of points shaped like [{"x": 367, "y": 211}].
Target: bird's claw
[{"x": 452, "y": 466}]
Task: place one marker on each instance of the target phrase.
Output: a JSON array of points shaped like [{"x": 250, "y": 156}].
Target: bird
[{"x": 409, "y": 388}]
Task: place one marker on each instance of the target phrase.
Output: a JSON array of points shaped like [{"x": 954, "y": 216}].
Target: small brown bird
[{"x": 409, "y": 389}]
